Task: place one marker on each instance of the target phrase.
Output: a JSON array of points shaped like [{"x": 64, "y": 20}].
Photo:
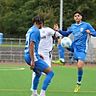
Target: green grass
[{"x": 18, "y": 82}]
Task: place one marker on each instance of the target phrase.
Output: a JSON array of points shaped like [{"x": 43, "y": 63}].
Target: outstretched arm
[{"x": 65, "y": 33}]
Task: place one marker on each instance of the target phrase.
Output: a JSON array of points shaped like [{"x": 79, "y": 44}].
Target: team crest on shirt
[{"x": 81, "y": 29}]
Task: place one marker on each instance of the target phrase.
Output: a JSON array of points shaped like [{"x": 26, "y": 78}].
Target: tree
[{"x": 16, "y": 15}]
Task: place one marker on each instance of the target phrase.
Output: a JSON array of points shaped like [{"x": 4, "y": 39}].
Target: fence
[{"x": 12, "y": 50}]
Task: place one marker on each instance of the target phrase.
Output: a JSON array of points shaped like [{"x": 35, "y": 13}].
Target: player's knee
[
  {"x": 37, "y": 72},
  {"x": 80, "y": 64},
  {"x": 51, "y": 74}
]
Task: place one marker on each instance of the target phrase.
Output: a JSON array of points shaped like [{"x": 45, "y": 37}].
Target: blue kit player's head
[
  {"x": 38, "y": 20},
  {"x": 77, "y": 16}
]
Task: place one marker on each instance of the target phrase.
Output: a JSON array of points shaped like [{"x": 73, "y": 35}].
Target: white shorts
[{"x": 47, "y": 57}]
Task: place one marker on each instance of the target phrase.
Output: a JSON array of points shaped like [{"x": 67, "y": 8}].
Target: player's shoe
[
  {"x": 77, "y": 88},
  {"x": 42, "y": 95},
  {"x": 35, "y": 94},
  {"x": 57, "y": 62},
  {"x": 62, "y": 60}
]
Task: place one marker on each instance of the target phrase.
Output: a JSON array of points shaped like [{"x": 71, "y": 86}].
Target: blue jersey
[
  {"x": 33, "y": 34},
  {"x": 80, "y": 34}
]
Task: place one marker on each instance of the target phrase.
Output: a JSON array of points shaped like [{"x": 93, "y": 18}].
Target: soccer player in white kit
[{"x": 45, "y": 46}]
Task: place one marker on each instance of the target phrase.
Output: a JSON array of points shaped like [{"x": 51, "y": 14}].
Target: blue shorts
[
  {"x": 27, "y": 58},
  {"x": 40, "y": 65},
  {"x": 79, "y": 54}
]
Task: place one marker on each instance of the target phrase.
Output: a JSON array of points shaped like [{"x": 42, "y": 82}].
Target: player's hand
[
  {"x": 32, "y": 65},
  {"x": 88, "y": 31},
  {"x": 41, "y": 56}
]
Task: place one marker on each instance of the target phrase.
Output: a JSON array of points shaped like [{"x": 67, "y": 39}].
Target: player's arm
[
  {"x": 65, "y": 33},
  {"x": 50, "y": 31},
  {"x": 91, "y": 30},
  {"x": 31, "y": 47}
]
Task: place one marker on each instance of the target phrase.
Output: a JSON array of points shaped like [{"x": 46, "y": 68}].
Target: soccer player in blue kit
[
  {"x": 80, "y": 30},
  {"x": 33, "y": 59}
]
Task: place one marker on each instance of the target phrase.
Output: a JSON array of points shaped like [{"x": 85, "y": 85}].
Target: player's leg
[
  {"x": 61, "y": 53},
  {"x": 35, "y": 82},
  {"x": 33, "y": 76},
  {"x": 80, "y": 65},
  {"x": 81, "y": 57},
  {"x": 49, "y": 76},
  {"x": 48, "y": 58},
  {"x": 43, "y": 66},
  {"x": 35, "y": 79},
  {"x": 34, "y": 92}
]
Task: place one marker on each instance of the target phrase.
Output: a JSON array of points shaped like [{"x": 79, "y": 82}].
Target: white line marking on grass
[
  {"x": 10, "y": 68},
  {"x": 56, "y": 91}
]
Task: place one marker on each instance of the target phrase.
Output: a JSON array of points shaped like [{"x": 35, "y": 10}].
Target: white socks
[
  {"x": 34, "y": 91},
  {"x": 42, "y": 93}
]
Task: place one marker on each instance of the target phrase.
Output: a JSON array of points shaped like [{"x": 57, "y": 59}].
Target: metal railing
[{"x": 12, "y": 50}]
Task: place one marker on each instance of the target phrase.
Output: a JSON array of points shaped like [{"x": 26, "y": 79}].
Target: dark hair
[
  {"x": 38, "y": 20},
  {"x": 78, "y": 13}
]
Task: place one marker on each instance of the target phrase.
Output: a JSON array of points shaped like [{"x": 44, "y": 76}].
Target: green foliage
[{"x": 16, "y": 15}]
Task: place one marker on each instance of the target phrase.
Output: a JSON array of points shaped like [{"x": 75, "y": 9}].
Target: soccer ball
[{"x": 66, "y": 42}]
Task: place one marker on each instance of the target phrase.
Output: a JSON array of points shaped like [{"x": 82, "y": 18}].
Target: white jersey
[{"x": 46, "y": 42}]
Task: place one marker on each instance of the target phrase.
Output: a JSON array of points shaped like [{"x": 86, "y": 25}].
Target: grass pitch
[{"x": 15, "y": 80}]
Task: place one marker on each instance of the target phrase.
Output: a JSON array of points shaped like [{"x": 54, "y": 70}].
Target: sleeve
[
  {"x": 92, "y": 30},
  {"x": 50, "y": 31},
  {"x": 57, "y": 34},
  {"x": 65, "y": 33},
  {"x": 33, "y": 36}
]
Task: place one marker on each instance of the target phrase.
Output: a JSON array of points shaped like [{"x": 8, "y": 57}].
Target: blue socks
[
  {"x": 36, "y": 81},
  {"x": 47, "y": 80},
  {"x": 61, "y": 51},
  {"x": 80, "y": 73}
]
